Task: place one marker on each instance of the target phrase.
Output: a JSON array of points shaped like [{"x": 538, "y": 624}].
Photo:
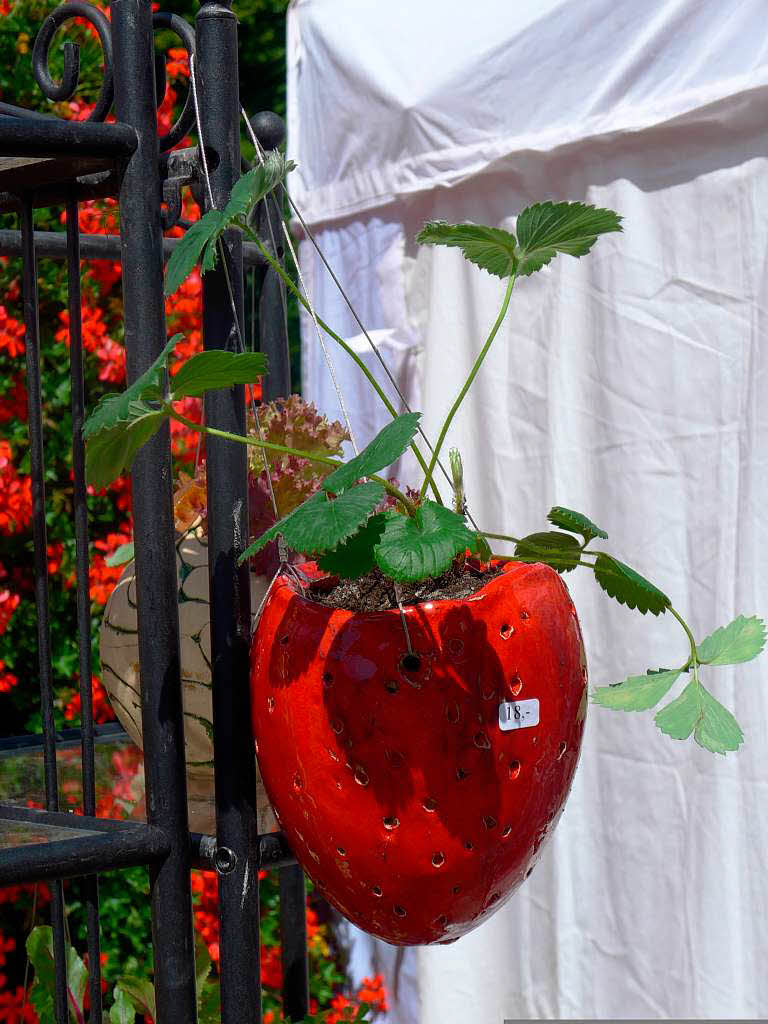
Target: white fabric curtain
[{"x": 631, "y": 384}]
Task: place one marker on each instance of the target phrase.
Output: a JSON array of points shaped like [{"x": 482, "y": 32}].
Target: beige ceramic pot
[{"x": 120, "y": 674}]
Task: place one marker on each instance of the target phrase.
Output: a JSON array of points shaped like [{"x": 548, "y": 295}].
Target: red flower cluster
[
  {"x": 13, "y": 404},
  {"x": 11, "y": 334},
  {"x": 96, "y": 339},
  {"x": 102, "y": 710},
  {"x": 15, "y": 494},
  {"x": 103, "y": 577}
]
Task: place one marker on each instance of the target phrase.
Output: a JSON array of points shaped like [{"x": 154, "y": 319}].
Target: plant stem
[
  {"x": 390, "y": 488},
  {"x": 467, "y": 384},
  {"x": 694, "y": 658},
  {"x": 286, "y": 279}
]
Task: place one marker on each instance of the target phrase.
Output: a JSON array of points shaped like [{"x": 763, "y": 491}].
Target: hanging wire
[
  {"x": 320, "y": 337},
  {"x": 230, "y": 291}
]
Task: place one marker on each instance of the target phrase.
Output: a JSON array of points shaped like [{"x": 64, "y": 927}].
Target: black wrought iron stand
[{"x": 45, "y": 161}]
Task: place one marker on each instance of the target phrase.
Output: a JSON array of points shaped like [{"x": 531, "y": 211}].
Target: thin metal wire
[
  {"x": 326, "y": 353},
  {"x": 230, "y": 292}
]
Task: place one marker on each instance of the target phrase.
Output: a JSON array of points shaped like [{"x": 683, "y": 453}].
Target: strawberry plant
[{"x": 405, "y": 596}]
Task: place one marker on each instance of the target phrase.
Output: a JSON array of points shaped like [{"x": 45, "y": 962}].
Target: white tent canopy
[{"x": 626, "y": 384}]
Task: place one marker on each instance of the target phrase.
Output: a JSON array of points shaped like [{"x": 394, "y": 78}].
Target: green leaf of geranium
[
  {"x": 199, "y": 242},
  {"x": 545, "y": 229},
  {"x": 492, "y": 249},
  {"x": 121, "y": 555},
  {"x": 637, "y": 693},
  {"x": 559, "y": 550},
  {"x": 141, "y": 992},
  {"x": 322, "y": 523},
  {"x": 122, "y": 1010},
  {"x": 218, "y": 369},
  {"x": 149, "y": 387},
  {"x": 189, "y": 248},
  {"x": 40, "y": 952},
  {"x": 629, "y": 587},
  {"x": 741, "y": 640},
  {"x": 416, "y": 548},
  {"x": 575, "y": 522},
  {"x": 696, "y": 711},
  {"x": 110, "y": 453},
  {"x": 388, "y": 445},
  {"x": 354, "y": 558}
]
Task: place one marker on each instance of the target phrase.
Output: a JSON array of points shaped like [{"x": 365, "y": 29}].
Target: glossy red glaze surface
[{"x": 413, "y": 812}]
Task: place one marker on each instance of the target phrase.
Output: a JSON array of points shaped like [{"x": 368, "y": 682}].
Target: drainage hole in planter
[
  {"x": 391, "y": 823},
  {"x": 392, "y": 686},
  {"x": 376, "y": 890},
  {"x": 507, "y": 832},
  {"x": 337, "y": 725},
  {"x": 529, "y": 872},
  {"x": 400, "y": 911},
  {"x": 524, "y": 614},
  {"x": 513, "y": 769},
  {"x": 332, "y": 754},
  {"x": 506, "y": 631},
  {"x": 456, "y": 890},
  {"x": 429, "y": 804},
  {"x": 462, "y": 773},
  {"x": 489, "y": 821},
  {"x": 341, "y": 851},
  {"x": 438, "y": 859},
  {"x": 469, "y": 845},
  {"x": 361, "y": 776},
  {"x": 515, "y": 685},
  {"x": 482, "y": 741},
  {"x": 410, "y": 663},
  {"x": 270, "y": 704},
  {"x": 327, "y": 680},
  {"x": 561, "y": 749},
  {"x": 284, "y": 639},
  {"x": 298, "y": 782}
]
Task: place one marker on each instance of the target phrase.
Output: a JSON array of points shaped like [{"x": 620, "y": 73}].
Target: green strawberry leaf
[
  {"x": 217, "y": 369},
  {"x": 112, "y": 451},
  {"x": 545, "y": 229},
  {"x": 490, "y": 248},
  {"x": 189, "y": 248},
  {"x": 629, "y": 587},
  {"x": 388, "y": 445},
  {"x": 741, "y": 640},
  {"x": 149, "y": 387},
  {"x": 696, "y": 711},
  {"x": 141, "y": 992},
  {"x": 423, "y": 546},
  {"x": 354, "y": 558},
  {"x": 637, "y": 693},
  {"x": 322, "y": 522},
  {"x": 483, "y": 548},
  {"x": 199, "y": 242},
  {"x": 575, "y": 522},
  {"x": 558, "y": 550},
  {"x": 121, "y": 555},
  {"x": 122, "y": 1010}
]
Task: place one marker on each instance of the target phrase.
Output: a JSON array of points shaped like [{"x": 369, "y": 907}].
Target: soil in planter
[{"x": 375, "y": 593}]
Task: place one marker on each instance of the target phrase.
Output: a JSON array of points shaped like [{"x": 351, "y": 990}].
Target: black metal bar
[
  {"x": 82, "y": 855},
  {"x": 22, "y": 136},
  {"x": 77, "y": 388},
  {"x": 274, "y": 851},
  {"x": 227, "y": 466},
  {"x": 37, "y": 462},
  {"x": 273, "y": 323},
  {"x": 16, "y": 746},
  {"x": 293, "y": 939},
  {"x": 158, "y": 621},
  {"x": 99, "y": 247}
]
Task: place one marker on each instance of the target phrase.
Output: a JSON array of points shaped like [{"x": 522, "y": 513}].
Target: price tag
[{"x": 518, "y": 714}]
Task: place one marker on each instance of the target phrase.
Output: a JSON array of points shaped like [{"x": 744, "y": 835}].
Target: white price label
[{"x": 518, "y": 714}]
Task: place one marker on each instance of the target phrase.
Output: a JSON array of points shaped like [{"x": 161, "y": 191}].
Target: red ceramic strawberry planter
[{"x": 417, "y": 789}]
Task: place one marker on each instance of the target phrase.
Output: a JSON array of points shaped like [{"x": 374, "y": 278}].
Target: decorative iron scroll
[{"x": 65, "y": 89}]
